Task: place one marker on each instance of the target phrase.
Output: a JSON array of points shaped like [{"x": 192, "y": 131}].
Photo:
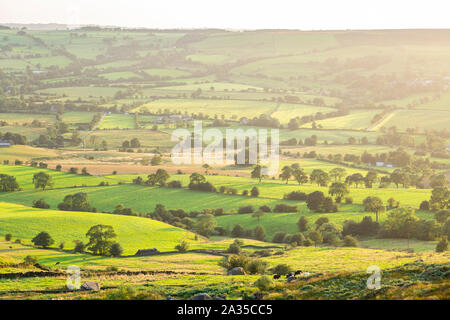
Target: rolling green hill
[{"x": 133, "y": 233}]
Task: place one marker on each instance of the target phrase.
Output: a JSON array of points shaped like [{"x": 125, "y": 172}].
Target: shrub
[
  {"x": 41, "y": 204},
  {"x": 254, "y": 192},
  {"x": 284, "y": 208},
  {"x": 61, "y": 246},
  {"x": 30, "y": 260},
  {"x": 79, "y": 247},
  {"x": 295, "y": 195},
  {"x": 18, "y": 241},
  {"x": 256, "y": 266},
  {"x": 348, "y": 200},
  {"x": 442, "y": 245},
  {"x": 298, "y": 238},
  {"x": 235, "y": 261},
  {"x": 238, "y": 231},
  {"x": 234, "y": 248},
  {"x": 260, "y": 233},
  {"x": 8, "y": 237},
  {"x": 349, "y": 241},
  {"x": 116, "y": 249},
  {"x": 425, "y": 205},
  {"x": 442, "y": 215},
  {"x": 281, "y": 269},
  {"x": 265, "y": 208},
  {"x": 246, "y": 209},
  {"x": 264, "y": 283},
  {"x": 174, "y": 184},
  {"x": 279, "y": 237},
  {"x": 302, "y": 224},
  {"x": 308, "y": 242},
  {"x": 245, "y": 192}
]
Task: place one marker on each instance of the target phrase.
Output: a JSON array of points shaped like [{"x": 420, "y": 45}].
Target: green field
[
  {"x": 24, "y": 153},
  {"x": 118, "y": 121},
  {"x": 286, "y": 112},
  {"x": 24, "y": 176},
  {"x": 133, "y": 233},
  {"x": 228, "y": 108}
]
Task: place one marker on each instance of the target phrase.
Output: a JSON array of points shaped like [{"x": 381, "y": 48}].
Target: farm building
[
  {"x": 384, "y": 164},
  {"x": 4, "y": 144},
  {"x": 147, "y": 252}
]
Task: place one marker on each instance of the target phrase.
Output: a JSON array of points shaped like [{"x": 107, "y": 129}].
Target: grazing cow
[
  {"x": 290, "y": 274},
  {"x": 297, "y": 272},
  {"x": 56, "y": 263},
  {"x": 10, "y": 247},
  {"x": 277, "y": 276}
]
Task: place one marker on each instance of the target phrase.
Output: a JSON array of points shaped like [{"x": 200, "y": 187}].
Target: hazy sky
[{"x": 233, "y": 14}]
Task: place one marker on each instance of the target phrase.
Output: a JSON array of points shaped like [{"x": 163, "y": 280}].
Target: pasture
[{"x": 133, "y": 233}]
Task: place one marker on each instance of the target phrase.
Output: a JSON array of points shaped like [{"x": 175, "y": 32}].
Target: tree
[
  {"x": 196, "y": 178},
  {"x": 100, "y": 239},
  {"x": 439, "y": 180},
  {"x": 205, "y": 224},
  {"x": 338, "y": 190},
  {"x": 257, "y": 173},
  {"x": 356, "y": 179},
  {"x": 134, "y": 143},
  {"x": 8, "y": 183},
  {"x": 338, "y": 173},
  {"x": 116, "y": 249},
  {"x": 320, "y": 177},
  {"x": 442, "y": 245},
  {"x": 370, "y": 179},
  {"x": 42, "y": 180},
  {"x": 399, "y": 177},
  {"x": 299, "y": 175},
  {"x": 302, "y": 224},
  {"x": 400, "y": 223},
  {"x": 286, "y": 174},
  {"x": 373, "y": 204},
  {"x": 316, "y": 237},
  {"x": 76, "y": 202},
  {"x": 43, "y": 239},
  {"x": 440, "y": 198},
  {"x": 258, "y": 214},
  {"x": 260, "y": 233}
]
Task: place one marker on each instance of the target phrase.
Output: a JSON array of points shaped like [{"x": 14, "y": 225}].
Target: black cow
[
  {"x": 297, "y": 272},
  {"x": 277, "y": 276},
  {"x": 290, "y": 274}
]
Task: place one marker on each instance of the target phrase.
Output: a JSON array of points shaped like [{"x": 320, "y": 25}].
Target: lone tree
[
  {"x": 373, "y": 204},
  {"x": 100, "y": 239},
  {"x": 42, "y": 180},
  {"x": 43, "y": 239},
  {"x": 338, "y": 173},
  {"x": 299, "y": 174},
  {"x": 257, "y": 173},
  {"x": 338, "y": 190},
  {"x": 320, "y": 177},
  {"x": 258, "y": 214},
  {"x": 286, "y": 174},
  {"x": 8, "y": 183}
]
